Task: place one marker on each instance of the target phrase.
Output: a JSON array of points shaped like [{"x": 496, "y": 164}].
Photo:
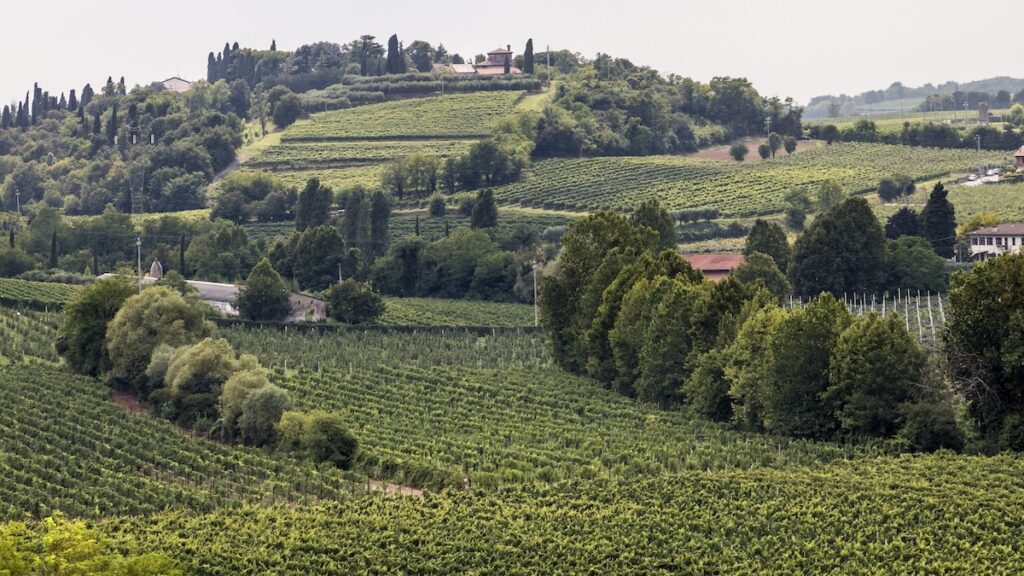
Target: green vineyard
[
  {"x": 456, "y": 313},
  {"x": 25, "y": 332},
  {"x": 736, "y": 189},
  {"x": 455, "y": 116},
  {"x": 308, "y": 155},
  {"x": 65, "y": 446},
  {"x": 35, "y": 294},
  {"x": 921, "y": 515}
]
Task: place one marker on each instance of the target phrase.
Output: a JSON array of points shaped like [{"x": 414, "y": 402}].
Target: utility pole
[
  {"x": 340, "y": 280},
  {"x": 17, "y": 198},
  {"x": 768, "y": 126}
]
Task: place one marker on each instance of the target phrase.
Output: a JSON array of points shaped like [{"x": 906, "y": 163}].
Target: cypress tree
[
  {"x": 112, "y": 125},
  {"x": 87, "y": 94},
  {"x": 446, "y": 229},
  {"x": 273, "y": 45},
  {"x": 416, "y": 229},
  {"x": 10, "y": 238},
  {"x": 6, "y": 121},
  {"x": 181, "y": 255},
  {"x": 27, "y": 111},
  {"x": 121, "y": 90},
  {"x": 211, "y": 68},
  {"x": 528, "y": 57},
  {"x": 96, "y": 123},
  {"x": 53, "y": 249},
  {"x": 508, "y": 64},
  {"x": 62, "y": 104},
  {"x": 380, "y": 213},
  {"x": 485, "y": 211},
  {"x": 72, "y": 100},
  {"x": 938, "y": 222},
  {"x": 392, "y": 64}
]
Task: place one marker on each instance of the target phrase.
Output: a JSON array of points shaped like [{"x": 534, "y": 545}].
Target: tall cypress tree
[
  {"x": 392, "y": 64},
  {"x": 121, "y": 90},
  {"x": 211, "y": 68},
  {"x": 273, "y": 45},
  {"x": 72, "y": 100},
  {"x": 96, "y": 123},
  {"x": 6, "y": 120},
  {"x": 62, "y": 104},
  {"x": 508, "y": 64},
  {"x": 938, "y": 222},
  {"x": 528, "y": 57},
  {"x": 87, "y": 94},
  {"x": 112, "y": 125}
]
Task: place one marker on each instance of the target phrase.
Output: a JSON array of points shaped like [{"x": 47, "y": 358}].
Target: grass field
[
  {"x": 737, "y": 189},
  {"x": 306, "y": 155},
  {"x": 1006, "y": 200}
]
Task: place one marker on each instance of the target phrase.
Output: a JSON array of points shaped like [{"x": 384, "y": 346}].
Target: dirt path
[{"x": 242, "y": 157}]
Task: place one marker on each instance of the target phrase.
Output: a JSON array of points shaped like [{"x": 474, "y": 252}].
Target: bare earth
[{"x": 722, "y": 152}]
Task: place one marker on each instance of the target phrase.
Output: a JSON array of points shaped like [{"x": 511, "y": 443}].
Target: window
[
  {"x": 999, "y": 240},
  {"x": 974, "y": 241},
  {"x": 988, "y": 240}
]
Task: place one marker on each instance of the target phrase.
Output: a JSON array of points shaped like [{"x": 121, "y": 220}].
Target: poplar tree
[
  {"x": 528, "y": 57},
  {"x": 392, "y": 65}
]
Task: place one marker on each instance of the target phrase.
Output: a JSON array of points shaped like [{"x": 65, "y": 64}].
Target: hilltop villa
[{"x": 493, "y": 65}]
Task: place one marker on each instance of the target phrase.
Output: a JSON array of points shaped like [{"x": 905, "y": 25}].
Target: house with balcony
[{"x": 993, "y": 241}]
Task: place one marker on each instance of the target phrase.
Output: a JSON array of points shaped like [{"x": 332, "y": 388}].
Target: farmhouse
[
  {"x": 988, "y": 242},
  {"x": 716, "y": 267},
  {"x": 493, "y": 65},
  {"x": 1020, "y": 159},
  {"x": 175, "y": 84}
]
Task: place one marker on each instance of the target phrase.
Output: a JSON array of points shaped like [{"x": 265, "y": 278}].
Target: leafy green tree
[
  {"x": 485, "y": 211},
  {"x": 889, "y": 189},
  {"x": 760, "y": 267},
  {"x": 261, "y": 411},
  {"x": 565, "y": 312},
  {"x": 421, "y": 54},
  {"x": 71, "y": 548},
  {"x": 930, "y": 425},
  {"x": 437, "y": 208},
  {"x": 266, "y": 295},
  {"x": 157, "y": 315},
  {"x": 626, "y": 339},
  {"x": 739, "y": 152},
  {"x": 326, "y": 439},
  {"x": 938, "y": 222},
  {"x": 528, "y": 57},
  {"x": 764, "y": 151},
  {"x": 769, "y": 238},
  {"x": 259, "y": 107},
  {"x": 314, "y": 206},
  {"x": 320, "y": 255},
  {"x": 830, "y": 134},
  {"x": 353, "y": 302},
  {"x": 238, "y": 387},
  {"x": 664, "y": 356},
  {"x": 798, "y": 374},
  {"x": 984, "y": 324},
  {"x": 600, "y": 360},
  {"x": 82, "y": 336},
  {"x": 650, "y": 214},
  {"x": 830, "y": 195},
  {"x": 287, "y": 110},
  {"x": 222, "y": 252},
  {"x": 399, "y": 271},
  {"x": 747, "y": 367},
  {"x": 14, "y": 261},
  {"x": 875, "y": 367},
  {"x": 905, "y": 222},
  {"x": 380, "y": 217},
  {"x": 789, "y": 144},
  {"x": 841, "y": 251},
  {"x": 774, "y": 143},
  {"x": 196, "y": 376},
  {"x": 911, "y": 264}
]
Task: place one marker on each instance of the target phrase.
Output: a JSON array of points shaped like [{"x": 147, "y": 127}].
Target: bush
[
  {"x": 287, "y": 111},
  {"x": 261, "y": 412},
  {"x": 353, "y": 302},
  {"x": 929, "y": 426},
  {"x": 739, "y": 152},
  {"x": 437, "y": 206},
  {"x": 326, "y": 439}
]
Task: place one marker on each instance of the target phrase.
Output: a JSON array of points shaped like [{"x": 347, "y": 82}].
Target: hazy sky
[{"x": 798, "y": 48}]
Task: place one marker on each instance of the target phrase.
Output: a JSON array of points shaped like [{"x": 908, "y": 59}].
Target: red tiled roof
[
  {"x": 500, "y": 50},
  {"x": 714, "y": 262}
]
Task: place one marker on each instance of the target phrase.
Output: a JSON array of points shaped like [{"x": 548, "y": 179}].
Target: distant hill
[{"x": 1002, "y": 90}]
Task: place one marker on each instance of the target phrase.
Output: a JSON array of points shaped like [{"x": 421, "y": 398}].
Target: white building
[
  {"x": 1001, "y": 239},
  {"x": 175, "y": 84}
]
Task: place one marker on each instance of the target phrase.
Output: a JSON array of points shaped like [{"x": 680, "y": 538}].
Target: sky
[{"x": 798, "y": 48}]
